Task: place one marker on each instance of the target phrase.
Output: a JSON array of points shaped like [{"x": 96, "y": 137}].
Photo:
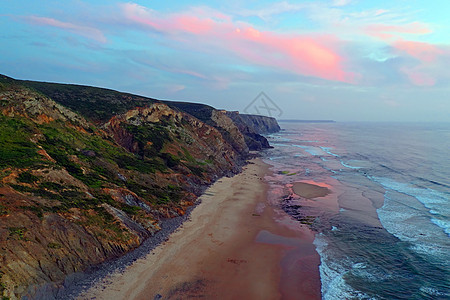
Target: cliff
[
  {"x": 258, "y": 124},
  {"x": 252, "y": 126},
  {"x": 87, "y": 174}
]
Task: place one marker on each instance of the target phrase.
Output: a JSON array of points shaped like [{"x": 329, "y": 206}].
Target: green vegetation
[
  {"x": 67, "y": 198},
  {"x": 287, "y": 173},
  {"x": 3, "y": 210},
  {"x": 52, "y": 245},
  {"x": 91, "y": 157},
  {"x": 17, "y": 232},
  {"x": 61, "y": 142},
  {"x": 145, "y": 162},
  {"x": 37, "y": 210},
  {"x": 16, "y": 149},
  {"x": 27, "y": 177},
  {"x": 131, "y": 210},
  {"x": 36, "y": 191},
  {"x": 156, "y": 194},
  {"x": 307, "y": 220},
  {"x": 170, "y": 160},
  {"x": 96, "y": 104},
  {"x": 144, "y": 165},
  {"x": 196, "y": 170},
  {"x": 193, "y": 164},
  {"x": 51, "y": 186},
  {"x": 150, "y": 137},
  {"x": 188, "y": 155},
  {"x": 200, "y": 111},
  {"x": 2, "y": 288},
  {"x": 106, "y": 221}
]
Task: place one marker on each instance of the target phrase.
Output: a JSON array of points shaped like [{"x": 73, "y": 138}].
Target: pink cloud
[
  {"x": 89, "y": 32},
  {"x": 188, "y": 72},
  {"x": 428, "y": 56},
  {"x": 386, "y": 32},
  {"x": 140, "y": 15},
  {"x": 418, "y": 77},
  {"x": 423, "y": 51},
  {"x": 426, "y": 68},
  {"x": 303, "y": 55},
  {"x": 193, "y": 24}
]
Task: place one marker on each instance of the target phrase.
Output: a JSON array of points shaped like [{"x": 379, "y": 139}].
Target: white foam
[
  {"x": 412, "y": 224},
  {"x": 276, "y": 157},
  {"x": 437, "y": 203},
  {"x": 431, "y": 249},
  {"x": 311, "y": 150},
  {"x": 332, "y": 275},
  {"x": 445, "y": 224},
  {"x": 432, "y": 292},
  {"x": 327, "y": 150},
  {"x": 281, "y": 139},
  {"x": 348, "y": 166},
  {"x": 369, "y": 273}
]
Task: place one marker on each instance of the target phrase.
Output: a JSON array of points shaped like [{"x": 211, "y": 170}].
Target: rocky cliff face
[
  {"x": 87, "y": 174},
  {"x": 260, "y": 124},
  {"x": 251, "y": 133},
  {"x": 252, "y": 126}
]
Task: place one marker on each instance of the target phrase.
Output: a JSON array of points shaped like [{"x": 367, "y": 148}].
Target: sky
[{"x": 344, "y": 60}]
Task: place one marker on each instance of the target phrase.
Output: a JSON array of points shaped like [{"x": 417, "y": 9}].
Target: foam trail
[
  {"x": 433, "y": 200},
  {"x": 311, "y": 150},
  {"x": 348, "y": 166},
  {"x": 332, "y": 274},
  {"x": 327, "y": 150},
  {"x": 401, "y": 220}
]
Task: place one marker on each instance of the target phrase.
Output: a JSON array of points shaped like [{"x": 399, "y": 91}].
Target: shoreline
[{"x": 232, "y": 246}]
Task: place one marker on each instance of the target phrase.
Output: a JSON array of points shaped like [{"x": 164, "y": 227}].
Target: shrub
[
  {"x": 18, "y": 232},
  {"x": 27, "y": 177},
  {"x": 3, "y": 210},
  {"x": 170, "y": 159},
  {"x": 52, "y": 245},
  {"x": 16, "y": 149},
  {"x": 35, "y": 209},
  {"x": 156, "y": 134}
]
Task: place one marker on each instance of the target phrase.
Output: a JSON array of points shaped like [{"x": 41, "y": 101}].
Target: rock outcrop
[
  {"x": 258, "y": 124},
  {"x": 87, "y": 174},
  {"x": 252, "y": 126}
]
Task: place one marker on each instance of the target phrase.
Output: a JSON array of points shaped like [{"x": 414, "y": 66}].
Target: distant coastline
[{"x": 306, "y": 121}]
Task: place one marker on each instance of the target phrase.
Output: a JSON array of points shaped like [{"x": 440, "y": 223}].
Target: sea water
[{"x": 390, "y": 237}]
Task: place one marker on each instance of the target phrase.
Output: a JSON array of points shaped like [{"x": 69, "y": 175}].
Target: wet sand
[
  {"x": 310, "y": 191},
  {"x": 232, "y": 247}
]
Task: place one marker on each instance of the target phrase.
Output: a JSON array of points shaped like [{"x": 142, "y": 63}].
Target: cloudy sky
[{"x": 345, "y": 60}]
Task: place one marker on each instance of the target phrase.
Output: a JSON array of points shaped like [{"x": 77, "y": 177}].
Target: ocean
[{"x": 384, "y": 231}]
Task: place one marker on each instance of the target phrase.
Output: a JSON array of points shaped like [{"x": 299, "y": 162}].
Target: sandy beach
[{"x": 232, "y": 247}]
